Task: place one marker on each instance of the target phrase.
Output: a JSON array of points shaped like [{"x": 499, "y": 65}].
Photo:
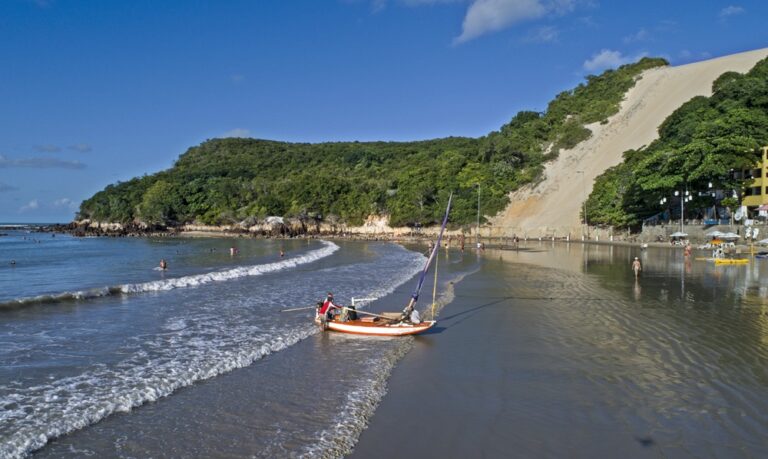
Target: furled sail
[{"x": 415, "y": 297}]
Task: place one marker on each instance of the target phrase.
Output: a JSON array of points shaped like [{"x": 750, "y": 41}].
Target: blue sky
[{"x": 92, "y": 92}]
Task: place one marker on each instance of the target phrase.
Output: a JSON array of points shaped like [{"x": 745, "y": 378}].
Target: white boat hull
[{"x": 379, "y": 329}]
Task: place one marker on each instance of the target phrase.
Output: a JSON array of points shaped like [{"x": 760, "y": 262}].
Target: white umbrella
[
  {"x": 730, "y": 236},
  {"x": 678, "y": 234},
  {"x": 715, "y": 233},
  {"x": 764, "y": 241}
]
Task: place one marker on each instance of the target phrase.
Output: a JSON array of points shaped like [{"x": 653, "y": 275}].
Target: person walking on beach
[{"x": 636, "y": 267}]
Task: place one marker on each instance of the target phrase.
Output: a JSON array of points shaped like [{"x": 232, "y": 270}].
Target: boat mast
[
  {"x": 478, "y": 216},
  {"x": 434, "y": 286},
  {"x": 415, "y": 297}
]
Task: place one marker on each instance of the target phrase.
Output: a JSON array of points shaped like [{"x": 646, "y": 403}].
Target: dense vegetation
[
  {"x": 234, "y": 180},
  {"x": 700, "y": 143}
]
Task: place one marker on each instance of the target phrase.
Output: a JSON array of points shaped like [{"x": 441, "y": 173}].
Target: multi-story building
[{"x": 756, "y": 191}]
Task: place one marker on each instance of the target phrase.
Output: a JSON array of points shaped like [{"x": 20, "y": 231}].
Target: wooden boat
[
  {"x": 731, "y": 261},
  {"x": 390, "y": 323},
  {"x": 378, "y": 327}
]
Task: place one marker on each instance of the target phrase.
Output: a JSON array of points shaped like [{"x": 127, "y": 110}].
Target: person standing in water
[
  {"x": 163, "y": 264},
  {"x": 637, "y": 267},
  {"x": 328, "y": 307}
]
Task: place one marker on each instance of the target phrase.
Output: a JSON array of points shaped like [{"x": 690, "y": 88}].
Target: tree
[{"x": 159, "y": 204}]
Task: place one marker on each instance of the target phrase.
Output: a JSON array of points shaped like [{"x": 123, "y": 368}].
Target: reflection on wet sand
[{"x": 577, "y": 358}]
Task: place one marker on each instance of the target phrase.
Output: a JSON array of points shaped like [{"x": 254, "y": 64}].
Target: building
[{"x": 756, "y": 192}]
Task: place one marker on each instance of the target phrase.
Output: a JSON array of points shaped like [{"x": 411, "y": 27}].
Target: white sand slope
[{"x": 552, "y": 206}]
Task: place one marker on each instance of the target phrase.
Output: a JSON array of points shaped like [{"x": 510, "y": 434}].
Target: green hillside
[
  {"x": 700, "y": 143},
  {"x": 231, "y": 180}
]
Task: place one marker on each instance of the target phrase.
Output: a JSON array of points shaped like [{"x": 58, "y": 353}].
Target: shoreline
[
  {"x": 489, "y": 242},
  {"x": 528, "y": 361}
]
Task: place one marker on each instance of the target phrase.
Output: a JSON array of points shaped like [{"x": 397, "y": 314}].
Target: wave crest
[{"x": 174, "y": 283}]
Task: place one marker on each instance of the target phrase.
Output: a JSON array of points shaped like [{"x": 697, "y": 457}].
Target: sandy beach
[
  {"x": 552, "y": 206},
  {"x": 542, "y": 360}
]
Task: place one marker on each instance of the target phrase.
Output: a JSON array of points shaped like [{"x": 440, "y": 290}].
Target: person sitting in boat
[
  {"x": 329, "y": 308},
  {"x": 415, "y": 317},
  {"x": 351, "y": 312}
]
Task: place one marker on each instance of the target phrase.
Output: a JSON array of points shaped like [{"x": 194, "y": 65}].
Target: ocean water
[{"x": 102, "y": 354}]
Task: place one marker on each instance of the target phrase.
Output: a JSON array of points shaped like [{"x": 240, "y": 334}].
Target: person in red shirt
[{"x": 328, "y": 306}]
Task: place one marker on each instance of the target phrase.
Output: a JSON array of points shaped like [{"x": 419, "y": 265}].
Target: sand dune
[{"x": 552, "y": 206}]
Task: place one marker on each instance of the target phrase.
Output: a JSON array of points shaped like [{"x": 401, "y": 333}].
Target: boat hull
[
  {"x": 359, "y": 327},
  {"x": 731, "y": 261}
]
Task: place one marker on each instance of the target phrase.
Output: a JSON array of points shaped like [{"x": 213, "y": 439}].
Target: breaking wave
[{"x": 174, "y": 283}]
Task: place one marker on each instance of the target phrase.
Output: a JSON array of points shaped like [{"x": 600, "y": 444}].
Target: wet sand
[{"x": 544, "y": 361}]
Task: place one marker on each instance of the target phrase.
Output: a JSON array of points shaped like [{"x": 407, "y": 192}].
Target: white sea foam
[
  {"x": 31, "y": 416},
  {"x": 359, "y": 405},
  {"x": 364, "y": 398},
  {"x": 327, "y": 249},
  {"x": 199, "y": 345},
  {"x": 235, "y": 273}
]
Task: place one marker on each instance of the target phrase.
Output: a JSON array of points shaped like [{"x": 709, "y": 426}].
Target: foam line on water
[
  {"x": 190, "y": 349},
  {"x": 327, "y": 249},
  {"x": 30, "y": 422}
]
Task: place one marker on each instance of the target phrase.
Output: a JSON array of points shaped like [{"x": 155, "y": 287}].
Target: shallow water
[
  {"x": 140, "y": 370},
  {"x": 556, "y": 351}
]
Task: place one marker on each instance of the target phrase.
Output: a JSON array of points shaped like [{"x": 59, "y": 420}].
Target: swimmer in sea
[
  {"x": 282, "y": 254},
  {"x": 163, "y": 264}
]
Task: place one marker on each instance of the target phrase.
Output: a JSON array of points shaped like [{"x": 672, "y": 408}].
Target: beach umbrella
[
  {"x": 678, "y": 234},
  {"x": 730, "y": 236},
  {"x": 764, "y": 241},
  {"x": 715, "y": 233}
]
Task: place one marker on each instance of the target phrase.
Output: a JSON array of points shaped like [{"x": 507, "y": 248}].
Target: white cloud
[
  {"x": 81, "y": 147},
  {"x": 607, "y": 59},
  {"x": 6, "y": 187},
  {"x": 65, "y": 202},
  {"x": 40, "y": 163},
  {"x": 47, "y": 148},
  {"x": 640, "y": 35},
  {"x": 484, "y": 16},
  {"x": 237, "y": 132},
  {"x": 546, "y": 34},
  {"x": 32, "y": 205},
  {"x": 378, "y": 5},
  {"x": 429, "y": 2},
  {"x": 731, "y": 10}
]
